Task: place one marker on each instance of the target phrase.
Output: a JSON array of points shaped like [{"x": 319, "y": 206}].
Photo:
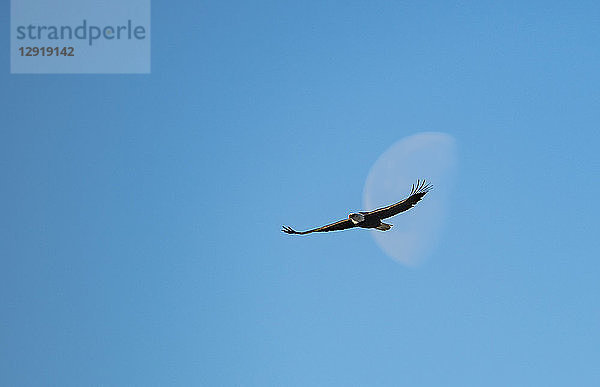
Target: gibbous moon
[{"x": 427, "y": 155}]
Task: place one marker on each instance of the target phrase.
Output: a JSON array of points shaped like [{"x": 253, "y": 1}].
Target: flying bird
[{"x": 372, "y": 219}]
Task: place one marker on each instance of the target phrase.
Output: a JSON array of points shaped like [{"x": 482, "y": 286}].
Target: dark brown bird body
[{"x": 371, "y": 220}]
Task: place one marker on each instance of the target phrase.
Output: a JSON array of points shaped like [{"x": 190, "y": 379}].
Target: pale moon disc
[{"x": 428, "y": 155}]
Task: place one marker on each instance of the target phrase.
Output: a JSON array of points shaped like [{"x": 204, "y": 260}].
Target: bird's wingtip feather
[
  {"x": 421, "y": 186},
  {"x": 288, "y": 230}
]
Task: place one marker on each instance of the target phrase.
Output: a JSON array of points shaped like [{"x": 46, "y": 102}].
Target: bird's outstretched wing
[
  {"x": 341, "y": 225},
  {"x": 416, "y": 194}
]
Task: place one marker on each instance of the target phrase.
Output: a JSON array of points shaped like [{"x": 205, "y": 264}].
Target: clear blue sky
[{"x": 140, "y": 217}]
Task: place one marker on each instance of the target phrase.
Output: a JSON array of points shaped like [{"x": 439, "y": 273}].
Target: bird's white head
[{"x": 356, "y": 218}]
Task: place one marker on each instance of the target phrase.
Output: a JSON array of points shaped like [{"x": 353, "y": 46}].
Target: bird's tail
[{"x": 384, "y": 226}]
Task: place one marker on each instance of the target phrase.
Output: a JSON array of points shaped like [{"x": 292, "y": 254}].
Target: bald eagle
[{"x": 372, "y": 219}]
